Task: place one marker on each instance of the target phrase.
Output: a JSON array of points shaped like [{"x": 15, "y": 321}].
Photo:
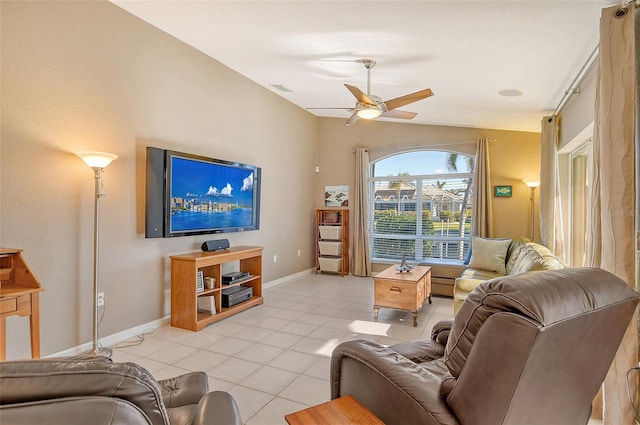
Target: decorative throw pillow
[
  {"x": 468, "y": 257},
  {"x": 489, "y": 254}
]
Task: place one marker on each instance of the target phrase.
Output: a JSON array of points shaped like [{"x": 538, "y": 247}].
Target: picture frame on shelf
[{"x": 199, "y": 281}]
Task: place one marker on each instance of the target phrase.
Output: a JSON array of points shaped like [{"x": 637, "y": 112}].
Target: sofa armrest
[
  {"x": 394, "y": 388},
  {"x": 184, "y": 389},
  {"x": 419, "y": 350},
  {"x": 217, "y": 408},
  {"x": 440, "y": 331}
]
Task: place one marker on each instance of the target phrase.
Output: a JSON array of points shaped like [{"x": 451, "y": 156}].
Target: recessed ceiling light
[
  {"x": 281, "y": 87},
  {"x": 510, "y": 93}
]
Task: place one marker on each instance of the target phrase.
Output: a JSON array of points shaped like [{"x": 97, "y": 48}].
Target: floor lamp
[
  {"x": 97, "y": 161},
  {"x": 532, "y": 185}
]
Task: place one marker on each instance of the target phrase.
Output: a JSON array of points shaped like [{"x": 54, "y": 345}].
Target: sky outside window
[{"x": 418, "y": 163}]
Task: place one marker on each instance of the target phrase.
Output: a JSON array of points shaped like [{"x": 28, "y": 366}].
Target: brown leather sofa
[
  {"x": 531, "y": 348},
  {"x": 94, "y": 390}
]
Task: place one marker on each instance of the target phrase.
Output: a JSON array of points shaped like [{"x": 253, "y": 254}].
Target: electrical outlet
[
  {"x": 275, "y": 258},
  {"x": 100, "y": 299},
  {"x": 298, "y": 253}
]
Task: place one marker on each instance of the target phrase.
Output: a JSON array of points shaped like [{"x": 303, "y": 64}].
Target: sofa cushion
[
  {"x": 466, "y": 285},
  {"x": 479, "y": 274},
  {"x": 513, "y": 254},
  {"x": 535, "y": 257},
  {"x": 489, "y": 254}
]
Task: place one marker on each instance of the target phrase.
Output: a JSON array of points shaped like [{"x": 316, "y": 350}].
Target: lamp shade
[
  {"x": 96, "y": 159},
  {"x": 369, "y": 113},
  {"x": 531, "y": 183}
]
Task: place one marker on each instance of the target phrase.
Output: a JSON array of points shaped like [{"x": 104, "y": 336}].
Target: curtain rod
[
  {"x": 626, "y": 3},
  {"x": 574, "y": 88},
  {"x": 385, "y": 148},
  {"x": 575, "y": 85}
]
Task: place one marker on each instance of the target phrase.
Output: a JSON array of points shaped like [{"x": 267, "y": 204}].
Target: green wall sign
[{"x": 502, "y": 191}]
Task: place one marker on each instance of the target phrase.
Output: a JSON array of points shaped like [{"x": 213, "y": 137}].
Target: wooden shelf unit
[
  {"x": 332, "y": 229},
  {"x": 184, "y": 295},
  {"x": 19, "y": 295}
]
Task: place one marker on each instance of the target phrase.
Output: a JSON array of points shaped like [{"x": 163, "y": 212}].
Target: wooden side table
[
  {"x": 341, "y": 411},
  {"x": 19, "y": 295},
  {"x": 402, "y": 291}
]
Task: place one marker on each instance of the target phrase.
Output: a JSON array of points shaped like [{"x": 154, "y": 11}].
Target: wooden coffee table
[
  {"x": 341, "y": 411},
  {"x": 402, "y": 291}
]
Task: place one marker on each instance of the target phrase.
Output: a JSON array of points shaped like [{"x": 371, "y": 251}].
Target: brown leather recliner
[
  {"x": 94, "y": 390},
  {"x": 532, "y": 348}
]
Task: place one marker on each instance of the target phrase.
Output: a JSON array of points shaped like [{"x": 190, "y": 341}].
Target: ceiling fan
[{"x": 369, "y": 106}]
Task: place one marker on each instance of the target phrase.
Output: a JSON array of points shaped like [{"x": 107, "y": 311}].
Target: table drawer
[
  {"x": 396, "y": 294},
  {"x": 20, "y": 304},
  {"x": 8, "y": 305}
]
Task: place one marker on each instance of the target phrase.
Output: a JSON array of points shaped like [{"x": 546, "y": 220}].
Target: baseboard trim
[
  {"x": 115, "y": 338},
  {"x": 285, "y": 279}
]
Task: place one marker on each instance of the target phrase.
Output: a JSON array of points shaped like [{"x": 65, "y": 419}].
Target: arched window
[{"x": 435, "y": 186}]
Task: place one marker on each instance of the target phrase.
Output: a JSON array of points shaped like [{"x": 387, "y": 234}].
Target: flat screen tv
[{"x": 194, "y": 195}]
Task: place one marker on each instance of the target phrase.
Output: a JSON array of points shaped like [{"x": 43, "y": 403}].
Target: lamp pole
[
  {"x": 96, "y": 253},
  {"x": 97, "y": 161},
  {"x": 532, "y": 215},
  {"x": 532, "y": 184}
]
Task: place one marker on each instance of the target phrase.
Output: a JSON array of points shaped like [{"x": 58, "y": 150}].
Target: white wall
[
  {"x": 89, "y": 76},
  {"x": 578, "y": 112}
]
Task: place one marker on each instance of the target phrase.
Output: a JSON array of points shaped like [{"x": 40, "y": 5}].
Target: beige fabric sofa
[{"x": 522, "y": 256}]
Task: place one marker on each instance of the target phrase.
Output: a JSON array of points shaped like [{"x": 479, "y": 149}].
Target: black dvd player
[
  {"x": 236, "y": 295},
  {"x": 234, "y": 277}
]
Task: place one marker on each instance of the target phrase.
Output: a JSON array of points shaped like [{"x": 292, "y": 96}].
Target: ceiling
[{"x": 465, "y": 51}]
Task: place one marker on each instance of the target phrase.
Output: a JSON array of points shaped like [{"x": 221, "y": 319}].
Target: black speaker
[
  {"x": 215, "y": 245},
  {"x": 154, "y": 205}
]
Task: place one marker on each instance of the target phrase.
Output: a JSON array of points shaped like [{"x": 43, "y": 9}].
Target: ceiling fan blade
[
  {"x": 359, "y": 94},
  {"x": 352, "y": 119},
  {"x": 403, "y": 115},
  {"x": 409, "y": 98},
  {"x": 346, "y": 109}
]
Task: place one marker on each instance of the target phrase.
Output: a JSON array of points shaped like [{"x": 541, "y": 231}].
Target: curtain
[
  {"x": 551, "y": 231},
  {"x": 611, "y": 216},
  {"x": 482, "y": 217},
  {"x": 361, "y": 258}
]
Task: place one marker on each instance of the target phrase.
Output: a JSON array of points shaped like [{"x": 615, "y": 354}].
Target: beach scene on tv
[{"x": 208, "y": 196}]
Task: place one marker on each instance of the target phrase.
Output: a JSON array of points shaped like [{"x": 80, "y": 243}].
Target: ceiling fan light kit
[
  {"x": 369, "y": 113},
  {"x": 371, "y": 107}
]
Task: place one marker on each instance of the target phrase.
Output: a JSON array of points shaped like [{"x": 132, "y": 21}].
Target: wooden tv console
[{"x": 185, "y": 295}]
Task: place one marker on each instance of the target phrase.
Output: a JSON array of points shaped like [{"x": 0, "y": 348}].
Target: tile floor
[{"x": 274, "y": 358}]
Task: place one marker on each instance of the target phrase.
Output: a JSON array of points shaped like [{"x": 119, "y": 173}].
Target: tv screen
[{"x": 204, "y": 195}]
